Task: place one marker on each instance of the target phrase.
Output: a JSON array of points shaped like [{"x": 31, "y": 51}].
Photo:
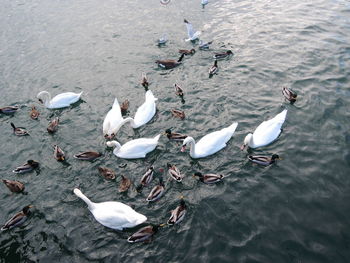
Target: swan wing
[
  {"x": 137, "y": 148},
  {"x": 64, "y": 99},
  {"x": 112, "y": 119},
  {"x": 146, "y": 111}
]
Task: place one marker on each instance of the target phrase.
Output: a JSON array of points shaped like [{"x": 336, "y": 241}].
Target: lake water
[{"x": 293, "y": 211}]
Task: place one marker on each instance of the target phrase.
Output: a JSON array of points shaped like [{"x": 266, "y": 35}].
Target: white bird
[
  {"x": 113, "y": 121},
  {"x": 134, "y": 149},
  {"x": 204, "y": 2},
  {"x": 190, "y": 32},
  {"x": 145, "y": 112},
  {"x": 266, "y": 132},
  {"x": 59, "y": 101},
  {"x": 210, "y": 143},
  {"x": 162, "y": 40},
  {"x": 112, "y": 214}
]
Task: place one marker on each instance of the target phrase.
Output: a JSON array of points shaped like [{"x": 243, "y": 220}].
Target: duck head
[
  {"x": 275, "y": 157},
  {"x": 198, "y": 174},
  {"x": 33, "y": 163},
  {"x": 247, "y": 140},
  {"x": 25, "y": 209},
  {"x": 193, "y": 51},
  {"x": 229, "y": 52}
]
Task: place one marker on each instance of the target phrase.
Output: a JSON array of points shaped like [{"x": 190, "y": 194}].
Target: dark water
[{"x": 294, "y": 211}]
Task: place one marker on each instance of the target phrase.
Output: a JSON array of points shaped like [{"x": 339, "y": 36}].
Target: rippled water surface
[{"x": 294, "y": 211}]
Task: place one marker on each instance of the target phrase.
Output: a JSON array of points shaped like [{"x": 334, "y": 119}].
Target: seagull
[
  {"x": 192, "y": 36},
  {"x": 204, "y": 3},
  {"x": 204, "y": 45},
  {"x": 162, "y": 40}
]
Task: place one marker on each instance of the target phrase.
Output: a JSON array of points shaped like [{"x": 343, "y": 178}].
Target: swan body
[
  {"x": 192, "y": 35},
  {"x": 210, "y": 143},
  {"x": 59, "y": 101},
  {"x": 267, "y": 132},
  {"x": 112, "y": 214},
  {"x": 145, "y": 112},
  {"x": 134, "y": 149},
  {"x": 113, "y": 121}
]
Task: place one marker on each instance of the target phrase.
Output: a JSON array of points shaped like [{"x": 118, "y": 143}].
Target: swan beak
[
  {"x": 242, "y": 147},
  {"x": 183, "y": 148}
]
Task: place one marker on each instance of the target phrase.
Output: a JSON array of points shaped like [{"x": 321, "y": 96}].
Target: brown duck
[
  {"x": 187, "y": 52},
  {"x": 58, "y": 154},
  {"x": 19, "y": 131},
  {"x": 124, "y": 106},
  {"x": 289, "y": 95},
  {"x": 18, "y": 219},
  {"x": 145, "y": 234},
  {"x": 124, "y": 184},
  {"x": 34, "y": 113},
  {"x": 178, "y": 113},
  {"x": 14, "y": 186},
  {"x": 106, "y": 173},
  {"x": 29, "y": 166},
  {"x": 144, "y": 81},
  {"x": 9, "y": 109},
  {"x": 53, "y": 125},
  {"x": 87, "y": 156},
  {"x": 170, "y": 63},
  {"x": 174, "y": 136},
  {"x": 178, "y": 214},
  {"x": 178, "y": 90}
]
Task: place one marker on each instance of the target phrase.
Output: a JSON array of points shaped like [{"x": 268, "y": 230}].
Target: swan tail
[
  {"x": 157, "y": 137},
  {"x": 281, "y": 117},
  {"x": 232, "y": 127},
  {"x": 80, "y": 94},
  {"x": 83, "y": 197},
  {"x": 150, "y": 96},
  {"x": 115, "y": 103}
]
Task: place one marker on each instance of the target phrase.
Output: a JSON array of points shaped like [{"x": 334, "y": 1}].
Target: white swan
[
  {"x": 145, "y": 112},
  {"x": 190, "y": 32},
  {"x": 59, "y": 101},
  {"x": 112, "y": 214},
  {"x": 134, "y": 149},
  {"x": 210, "y": 143},
  {"x": 266, "y": 132},
  {"x": 113, "y": 121}
]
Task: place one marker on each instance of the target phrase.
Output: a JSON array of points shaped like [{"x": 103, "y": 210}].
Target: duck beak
[
  {"x": 30, "y": 206},
  {"x": 161, "y": 225},
  {"x": 183, "y": 148},
  {"x": 243, "y": 146}
]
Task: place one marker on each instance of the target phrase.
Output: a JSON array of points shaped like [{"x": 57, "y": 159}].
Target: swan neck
[
  {"x": 46, "y": 98},
  {"x": 83, "y": 197},
  {"x": 132, "y": 122},
  {"x": 192, "y": 144}
]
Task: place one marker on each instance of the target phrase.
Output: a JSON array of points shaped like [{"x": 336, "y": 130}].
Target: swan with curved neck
[
  {"x": 267, "y": 132},
  {"x": 210, "y": 143},
  {"x": 145, "y": 112},
  {"x": 112, "y": 214},
  {"x": 59, "y": 101},
  {"x": 134, "y": 149}
]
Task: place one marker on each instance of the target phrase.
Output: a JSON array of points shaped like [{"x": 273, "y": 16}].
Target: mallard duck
[
  {"x": 209, "y": 178},
  {"x": 18, "y": 219},
  {"x": 134, "y": 149},
  {"x": 223, "y": 55},
  {"x": 174, "y": 172},
  {"x": 170, "y": 63},
  {"x": 19, "y": 131},
  {"x": 264, "y": 160},
  {"x": 178, "y": 114},
  {"x": 87, "y": 156},
  {"x": 53, "y": 125},
  {"x": 29, "y": 166},
  {"x": 9, "y": 109},
  {"x": 187, "y": 52},
  {"x": 213, "y": 69},
  {"x": 210, "y": 143},
  {"x": 175, "y": 136},
  {"x": 14, "y": 186},
  {"x": 145, "y": 234},
  {"x": 146, "y": 179},
  {"x": 106, "y": 173},
  {"x": 204, "y": 45},
  {"x": 124, "y": 106},
  {"x": 58, "y": 154},
  {"x": 156, "y": 191},
  {"x": 178, "y": 214},
  {"x": 192, "y": 36},
  {"x": 59, "y": 101},
  {"x": 266, "y": 132},
  {"x": 289, "y": 95},
  {"x": 144, "y": 81},
  {"x": 178, "y": 90},
  {"x": 34, "y": 113},
  {"x": 112, "y": 214},
  {"x": 124, "y": 184}
]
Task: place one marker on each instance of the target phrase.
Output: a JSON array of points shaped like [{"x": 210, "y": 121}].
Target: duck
[
  {"x": 210, "y": 143},
  {"x": 14, "y": 186},
  {"x": 204, "y": 45},
  {"x": 106, "y": 173},
  {"x": 187, "y": 52},
  {"x": 134, "y": 149},
  {"x": 124, "y": 106},
  {"x": 204, "y": 3},
  {"x": 29, "y": 166},
  {"x": 178, "y": 114},
  {"x": 174, "y": 172},
  {"x": 144, "y": 81},
  {"x": 146, "y": 178},
  {"x": 18, "y": 219},
  {"x": 192, "y": 36},
  {"x": 289, "y": 95},
  {"x": 124, "y": 184},
  {"x": 19, "y": 131},
  {"x": 9, "y": 109},
  {"x": 34, "y": 113},
  {"x": 156, "y": 192},
  {"x": 87, "y": 156},
  {"x": 223, "y": 55},
  {"x": 170, "y": 63},
  {"x": 112, "y": 214},
  {"x": 174, "y": 136},
  {"x": 58, "y": 153},
  {"x": 267, "y": 132},
  {"x": 178, "y": 214},
  {"x": 213, "y": 69},
  {"x": 145, "y": 112},
  {"x": 178, "y": 90},
  {"x": 264, "y": 160},
  {"x": 53, "y": 125},
  {"x": 59, "y": 101},
  {"x": 113, "y": 121},
  {"x": 209, "y": 178},
  {"x": 144, "y": 234}
]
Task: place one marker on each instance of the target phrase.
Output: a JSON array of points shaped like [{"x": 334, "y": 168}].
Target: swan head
[
  {"x": 247, "y": 140},
  {"x": 44, "y": 97},
  {"x": 109, "y": 137},
  {"x": 114, "y": 144},
  {"x": 184, "y": 144}
]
